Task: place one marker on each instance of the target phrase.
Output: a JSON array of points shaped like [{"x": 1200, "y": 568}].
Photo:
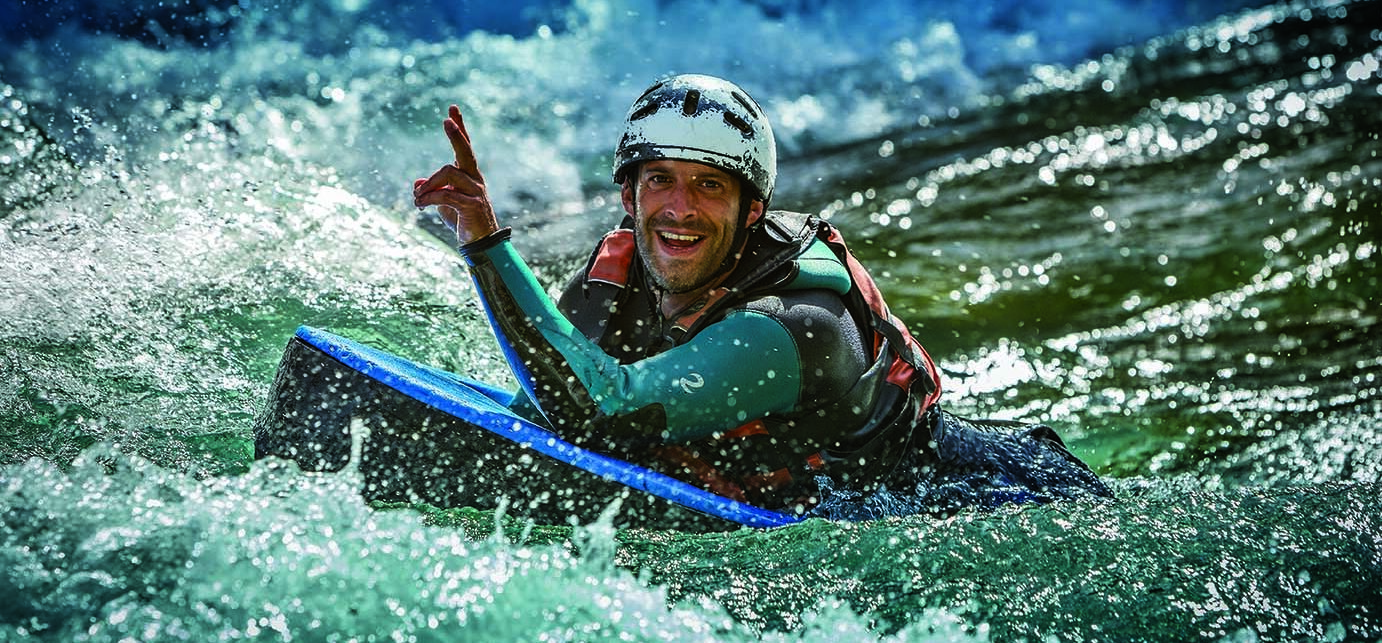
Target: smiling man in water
[{"x": 737, "y": 348}]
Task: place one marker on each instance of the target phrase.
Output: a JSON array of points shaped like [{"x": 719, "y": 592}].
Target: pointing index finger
[{"x": 460, "y": 141}]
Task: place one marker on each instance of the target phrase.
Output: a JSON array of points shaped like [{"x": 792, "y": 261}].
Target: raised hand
[{"x": 458, "y": 189}]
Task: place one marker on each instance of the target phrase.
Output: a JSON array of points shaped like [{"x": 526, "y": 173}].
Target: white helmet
[{"x": 704, "y": 119}]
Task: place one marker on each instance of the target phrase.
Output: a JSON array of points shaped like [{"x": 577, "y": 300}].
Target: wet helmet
[{"x": 704, "y": 119}]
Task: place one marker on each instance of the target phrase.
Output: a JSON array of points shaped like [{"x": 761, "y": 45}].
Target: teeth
[{"x": 678, "y": 237}]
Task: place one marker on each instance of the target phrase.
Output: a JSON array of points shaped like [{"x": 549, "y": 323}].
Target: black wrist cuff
[{"x": 479, "y": 246}]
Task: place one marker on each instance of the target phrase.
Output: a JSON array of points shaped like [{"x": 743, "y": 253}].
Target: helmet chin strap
[{"x": 741, "y": 238}]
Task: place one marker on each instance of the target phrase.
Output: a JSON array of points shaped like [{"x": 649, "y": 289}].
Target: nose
[{"x": 678, "y": 204}]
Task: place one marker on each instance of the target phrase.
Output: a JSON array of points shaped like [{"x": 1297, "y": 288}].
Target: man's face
[{"x": 685, "y": 216}]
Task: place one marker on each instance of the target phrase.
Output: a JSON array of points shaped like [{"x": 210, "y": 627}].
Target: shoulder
[
  {"x": 791, "y": 247},
  {"x": 806, "y": 312},
  {"x": 830, "y": 345},
  {"x": 819, "y": 267}
]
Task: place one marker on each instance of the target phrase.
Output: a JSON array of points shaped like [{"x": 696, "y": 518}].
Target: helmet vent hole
[
  {"x": 748, "y": 104},
  {"x": 739, "y": 124},
  {"x": 693, "y": 99},
  {"x": 644, "y": 111},
  {"x": 656, "y": 86}
]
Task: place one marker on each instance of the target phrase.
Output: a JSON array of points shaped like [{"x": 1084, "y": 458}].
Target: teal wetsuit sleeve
[
  {"x": 741, "y": 368},
  {"x": 736, "y": 370}
]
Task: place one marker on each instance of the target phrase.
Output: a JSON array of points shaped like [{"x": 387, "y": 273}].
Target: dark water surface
[{"x": 1168, "y": 252}]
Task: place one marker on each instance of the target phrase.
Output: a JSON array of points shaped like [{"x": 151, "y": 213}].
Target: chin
[{"x": 677, "y": 282}]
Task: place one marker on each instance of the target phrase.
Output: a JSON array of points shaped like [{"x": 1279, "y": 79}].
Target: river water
[{"x": 1153, "y": 227}]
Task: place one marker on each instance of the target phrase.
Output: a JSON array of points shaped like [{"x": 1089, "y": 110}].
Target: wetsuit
[{"x": 778, "y": 378}]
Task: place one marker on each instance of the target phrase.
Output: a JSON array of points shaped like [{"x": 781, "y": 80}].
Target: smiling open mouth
[{"x": 679, "y": 240}]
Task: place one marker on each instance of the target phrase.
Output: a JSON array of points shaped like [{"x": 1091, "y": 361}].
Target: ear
[
  {"x": 755, "y": 212},
  {"x": 626, "y": 195}
]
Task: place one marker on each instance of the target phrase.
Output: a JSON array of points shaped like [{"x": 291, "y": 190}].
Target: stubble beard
[{"x": 694, "y": 274}]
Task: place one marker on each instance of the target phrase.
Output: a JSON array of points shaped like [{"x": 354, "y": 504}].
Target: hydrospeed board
[{"x": 432, "y": 436}]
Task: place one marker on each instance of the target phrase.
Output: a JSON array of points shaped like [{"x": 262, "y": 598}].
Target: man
[{"x": 731, "y": 346}]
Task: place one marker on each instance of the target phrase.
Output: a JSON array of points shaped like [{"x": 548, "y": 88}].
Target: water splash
[{"x": 119, "y": 547}]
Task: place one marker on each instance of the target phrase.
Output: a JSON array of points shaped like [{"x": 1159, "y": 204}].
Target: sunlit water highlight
[{"x": 1168, "y": 251}]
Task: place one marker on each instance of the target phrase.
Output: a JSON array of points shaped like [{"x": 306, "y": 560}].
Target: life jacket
[{"x": 901, "y": 386}]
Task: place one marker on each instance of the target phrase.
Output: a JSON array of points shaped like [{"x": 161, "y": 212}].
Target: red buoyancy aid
[{"x": 911, "y": 369}]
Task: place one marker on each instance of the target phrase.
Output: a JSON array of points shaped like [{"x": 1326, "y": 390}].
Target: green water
[{"x": 1168, "y": 253}]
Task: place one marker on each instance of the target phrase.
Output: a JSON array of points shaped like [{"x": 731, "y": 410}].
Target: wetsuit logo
[{"x": 691, "y": 382}]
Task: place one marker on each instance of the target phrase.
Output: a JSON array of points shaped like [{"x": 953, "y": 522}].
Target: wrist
[
  {"x": 478, "y": 245},
  {"x": 466, "y": 237}
]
